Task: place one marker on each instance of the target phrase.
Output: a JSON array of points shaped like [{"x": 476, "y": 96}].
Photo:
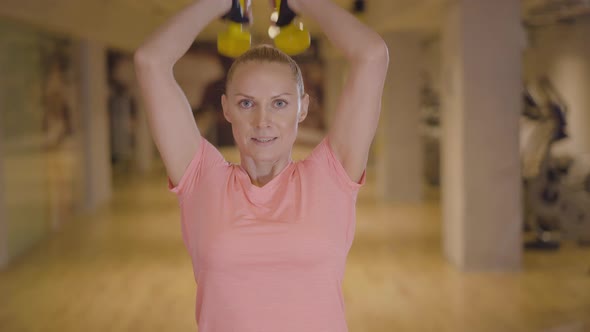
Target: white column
[
  {"x": 94, "y": 110},
  {"x": 481, "y": 96},
  {"x": 399, "y": 146}
]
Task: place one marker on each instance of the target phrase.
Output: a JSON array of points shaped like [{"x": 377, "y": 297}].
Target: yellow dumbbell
[
  {"x": 235, "y": 41},
  {"x": 292, "y": 38}
]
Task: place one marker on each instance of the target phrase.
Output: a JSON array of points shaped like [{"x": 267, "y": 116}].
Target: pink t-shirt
[{"x": 272, "y": 258}]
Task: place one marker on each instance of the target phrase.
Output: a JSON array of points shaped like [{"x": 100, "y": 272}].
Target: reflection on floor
[{"x": 125, "y": 269}]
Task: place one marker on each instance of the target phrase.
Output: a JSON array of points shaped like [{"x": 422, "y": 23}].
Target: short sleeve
[
  {"x": 325, "y": 157},
  {"x": 206, "y": 157}
]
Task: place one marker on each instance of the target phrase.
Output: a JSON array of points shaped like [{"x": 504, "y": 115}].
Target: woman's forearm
[
  {"x": 346, "y": 32},
  {"x": 173, "y": 39}
]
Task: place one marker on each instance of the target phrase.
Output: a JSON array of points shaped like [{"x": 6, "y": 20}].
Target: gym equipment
[
  {"x": 575, "y": 200},
  {"x": 292, "y": 38},
  {"x": 556, "y": 188},
  {"x": 235, "y": 41}
]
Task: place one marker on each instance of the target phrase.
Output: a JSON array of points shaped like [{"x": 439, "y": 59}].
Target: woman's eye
[
  {"x": 246, "y": 103},
  {"x": 280, "y": 103}
]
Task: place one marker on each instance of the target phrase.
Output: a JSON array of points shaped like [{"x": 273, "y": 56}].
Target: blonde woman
[{"x": 268, "y": 237}]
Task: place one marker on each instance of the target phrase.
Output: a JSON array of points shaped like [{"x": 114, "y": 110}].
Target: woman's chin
[
  {"x": 264, "y": 156},
  {"x": 264, "y": 153}
]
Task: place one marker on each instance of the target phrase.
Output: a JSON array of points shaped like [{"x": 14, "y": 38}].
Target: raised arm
[
  {"x": 359, "y": 105},
  {"x": 168, "y": 111}
]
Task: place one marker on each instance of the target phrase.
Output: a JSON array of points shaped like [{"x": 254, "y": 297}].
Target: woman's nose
[{"x": 263, "y": 118}]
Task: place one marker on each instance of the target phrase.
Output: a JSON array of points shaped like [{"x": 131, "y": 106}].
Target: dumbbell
[
  {"x": 234, "y": 41},
  {"x": 292, "y": 38}
]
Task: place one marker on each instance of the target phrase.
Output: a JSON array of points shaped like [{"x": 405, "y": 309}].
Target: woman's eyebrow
[
  {"x": 282, "y": 94},
  {"x": 243, "y": 95},
  {"x": 250, "y": 97}
]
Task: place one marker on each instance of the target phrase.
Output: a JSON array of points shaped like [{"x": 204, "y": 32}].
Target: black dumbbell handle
[
  {"x": 286, "y": 14},
  {"x": 235, "y": 13},
  {"x": 359, "y": 6}
]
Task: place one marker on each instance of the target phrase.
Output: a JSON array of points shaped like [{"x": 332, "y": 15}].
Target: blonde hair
[{"x": 266, "y": 53}]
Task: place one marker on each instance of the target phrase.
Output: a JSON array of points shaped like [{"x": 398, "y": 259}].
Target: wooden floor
[{"x": 125, "y": 269}]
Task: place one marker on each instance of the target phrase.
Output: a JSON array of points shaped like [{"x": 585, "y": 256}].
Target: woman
[{"x": 268, "y": 237}]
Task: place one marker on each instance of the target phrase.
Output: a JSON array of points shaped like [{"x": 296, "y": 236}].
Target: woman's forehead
[
  {"x": 270, "y": 77},
  {"x": 256, "y": 68}
]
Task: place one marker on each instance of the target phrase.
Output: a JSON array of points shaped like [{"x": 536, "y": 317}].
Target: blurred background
[{"x": 475, "y": 216}]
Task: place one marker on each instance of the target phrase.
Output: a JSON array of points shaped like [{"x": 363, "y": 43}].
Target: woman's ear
[
  {"x": 304, "y": 108},
  {"x": 225, "y": 107}
]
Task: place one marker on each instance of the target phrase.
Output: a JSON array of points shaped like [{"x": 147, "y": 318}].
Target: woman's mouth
[{"x": 264, "y": 140}]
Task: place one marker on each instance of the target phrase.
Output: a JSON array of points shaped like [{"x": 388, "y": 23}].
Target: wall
[
  {"x": 25, "y": 187},
  {"x": 562, "y": 53},
  {"x": 39, "y": 158},
  {"x": 3, "y": 226}
]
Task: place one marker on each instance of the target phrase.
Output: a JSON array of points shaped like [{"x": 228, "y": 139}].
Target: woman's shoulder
[{"x": 323, "y": 162}]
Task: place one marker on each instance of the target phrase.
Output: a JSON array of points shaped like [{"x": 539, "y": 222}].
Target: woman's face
[{"x": 263, "y": 105}]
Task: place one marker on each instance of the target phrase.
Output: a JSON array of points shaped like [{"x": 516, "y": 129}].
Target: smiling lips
[{"x": 263, "y": 140}]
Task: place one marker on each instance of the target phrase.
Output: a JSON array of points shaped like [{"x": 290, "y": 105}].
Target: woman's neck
[{"x": 263, "y": 172}]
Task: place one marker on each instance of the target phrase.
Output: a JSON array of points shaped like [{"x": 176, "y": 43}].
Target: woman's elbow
[
  {"x": 375, "y": 52},
  {"x": 142, "y": 57},
  {"x": 378, "y": 50}
]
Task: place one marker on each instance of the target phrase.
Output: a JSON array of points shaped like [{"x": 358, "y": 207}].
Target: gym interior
[{"x": 476, "y": 212}]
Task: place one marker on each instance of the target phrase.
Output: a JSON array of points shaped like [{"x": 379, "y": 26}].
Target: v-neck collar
[{"x": 247, "y": 182}]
